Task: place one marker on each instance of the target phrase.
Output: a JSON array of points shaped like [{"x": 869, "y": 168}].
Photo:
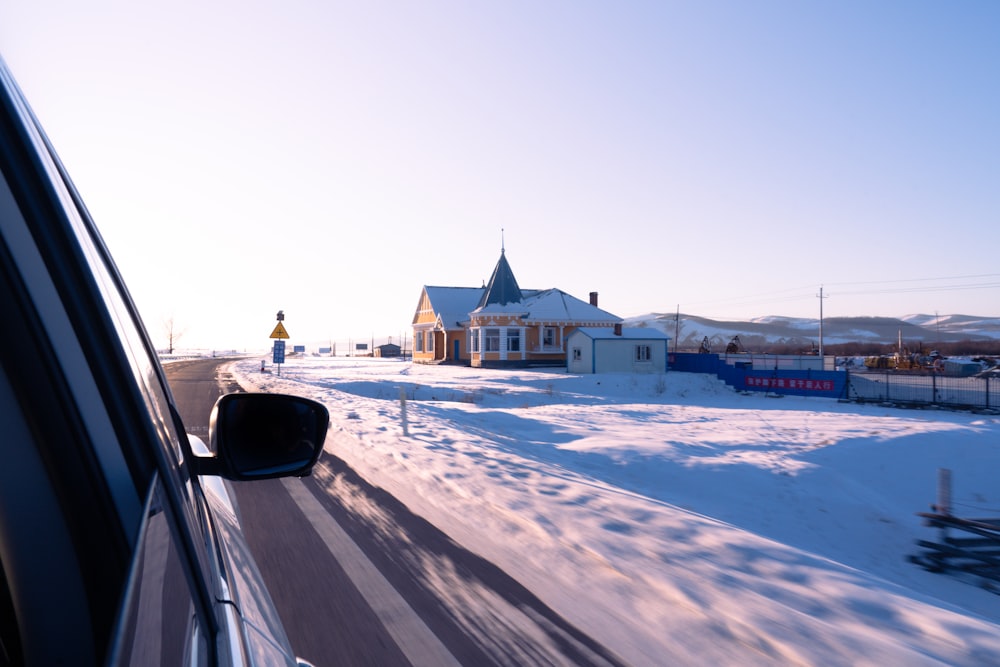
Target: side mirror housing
[{"x": 262, "y": 436}]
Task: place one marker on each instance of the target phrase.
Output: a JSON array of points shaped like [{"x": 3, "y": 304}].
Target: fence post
[
  {"x": 943, "y": 504},
  {"x": 402, "y": 409}
]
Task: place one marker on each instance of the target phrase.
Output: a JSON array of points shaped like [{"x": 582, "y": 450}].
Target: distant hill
[{"x": 804, "y": 332}]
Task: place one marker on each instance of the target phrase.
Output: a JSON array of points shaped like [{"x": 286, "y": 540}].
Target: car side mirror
[{"x": 261, "y": 436}]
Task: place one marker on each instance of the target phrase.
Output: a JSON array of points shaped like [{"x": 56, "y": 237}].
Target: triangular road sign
[{"x": 279, "y": 331}]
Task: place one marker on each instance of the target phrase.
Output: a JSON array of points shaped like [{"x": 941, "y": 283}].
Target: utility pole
[
  {"x": 677, "y": 327},
  {"x": 821, "y": 297}
]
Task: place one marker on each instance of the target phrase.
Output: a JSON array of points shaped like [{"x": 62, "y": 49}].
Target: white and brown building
[{"x": 499, "y": 324}]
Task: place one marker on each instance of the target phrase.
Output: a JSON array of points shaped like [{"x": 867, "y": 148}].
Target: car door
[{"x": 111, "y": 551}]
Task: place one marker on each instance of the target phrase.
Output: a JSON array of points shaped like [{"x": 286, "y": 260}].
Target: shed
[
  {"x": 616, "y": 350},
  {"x": 387, "y": 350}
]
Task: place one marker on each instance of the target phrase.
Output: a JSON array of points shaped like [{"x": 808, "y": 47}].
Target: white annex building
[{"x": 616, "y": 350}]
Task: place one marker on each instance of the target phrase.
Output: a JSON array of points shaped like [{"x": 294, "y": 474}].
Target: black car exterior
[{"x": 119, "y": 540}]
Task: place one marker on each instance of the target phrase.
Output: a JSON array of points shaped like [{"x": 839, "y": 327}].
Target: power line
[
  {"x": 804, "y": 293},
  {"x": 917, "y": 280},
  {"x": 908, "y": 290}
]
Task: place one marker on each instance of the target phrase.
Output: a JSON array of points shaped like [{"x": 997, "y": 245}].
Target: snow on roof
[
  {"x": 554, "y": 305},
  {"x": 453, "y": 304},
  {"x": 551, "y": 305},
  {"x": 503, "y": 296},
  {"x": 630, "y": 333}
]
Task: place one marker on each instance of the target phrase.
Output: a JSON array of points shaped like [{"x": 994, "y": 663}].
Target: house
[
  {"x": 617, "y": 350},
  {"x": 499, "y": 324},
  {"x": 387, "y": 350}
]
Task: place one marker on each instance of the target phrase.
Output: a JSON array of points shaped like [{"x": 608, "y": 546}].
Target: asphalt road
[{"x": 360, "y": 580}]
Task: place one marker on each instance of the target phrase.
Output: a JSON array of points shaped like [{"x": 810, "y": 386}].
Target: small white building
[{"x": 616, "y": 350}]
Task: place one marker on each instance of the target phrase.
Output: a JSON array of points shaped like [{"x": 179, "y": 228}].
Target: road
[{"x": 360, "y": 580}]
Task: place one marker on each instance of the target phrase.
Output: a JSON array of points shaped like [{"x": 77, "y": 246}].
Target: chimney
[
  {"x": 618, "y": 328},
  {"x": 593, "y": 299}
]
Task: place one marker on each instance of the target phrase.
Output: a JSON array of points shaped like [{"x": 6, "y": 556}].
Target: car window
[
  {"x": 155, "y": 427},
  {"x": 50, "y": 288},
  {"x": 97, "y": 415}
]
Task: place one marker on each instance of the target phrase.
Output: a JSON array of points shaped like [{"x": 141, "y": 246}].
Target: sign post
[{"x": 280, "y": 335}]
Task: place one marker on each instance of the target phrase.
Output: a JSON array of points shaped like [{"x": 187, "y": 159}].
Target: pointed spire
[{"x": 502, "y": 288}]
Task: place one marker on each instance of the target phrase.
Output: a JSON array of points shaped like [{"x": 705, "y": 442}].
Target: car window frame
[{"x": 97, "y": 351}]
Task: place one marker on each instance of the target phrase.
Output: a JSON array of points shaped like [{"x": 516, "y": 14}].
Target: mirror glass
[{"x": 268, "y": 434}]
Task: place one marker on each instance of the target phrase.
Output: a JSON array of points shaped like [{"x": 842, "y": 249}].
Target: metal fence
[
  {"x": 902, "y": 388},
  {"x": 894, "y": 387}
]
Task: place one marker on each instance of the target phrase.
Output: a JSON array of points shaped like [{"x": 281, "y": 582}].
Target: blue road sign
[{"x": 279, "y": 352}]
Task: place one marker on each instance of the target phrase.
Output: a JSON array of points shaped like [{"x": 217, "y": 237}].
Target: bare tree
[{"x": 172, "y": 332}]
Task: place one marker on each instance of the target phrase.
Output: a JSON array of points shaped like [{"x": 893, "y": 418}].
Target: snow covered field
[{"x": 673, "y": 519}]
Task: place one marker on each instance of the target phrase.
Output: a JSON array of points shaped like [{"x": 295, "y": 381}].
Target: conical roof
[{"x": 502, "y": 288}]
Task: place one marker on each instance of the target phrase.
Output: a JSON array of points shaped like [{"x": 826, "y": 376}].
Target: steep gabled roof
[
  {"x": 453, "y": 304},
  {"x": 502, "y": 288}
]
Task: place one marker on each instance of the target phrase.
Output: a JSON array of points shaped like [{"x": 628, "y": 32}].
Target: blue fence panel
[
  {"x": 740, "y": 374},
  {"x": 738, "y": 371},
  {"x": 828, "y": 384},
  {"x": 694, "y": 363}
]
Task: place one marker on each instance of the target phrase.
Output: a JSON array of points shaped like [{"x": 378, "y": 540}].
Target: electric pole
[{"x": 821, "y": 297}]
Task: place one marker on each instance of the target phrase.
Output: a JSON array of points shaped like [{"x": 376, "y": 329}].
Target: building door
[{"x": 457, "y": 348}]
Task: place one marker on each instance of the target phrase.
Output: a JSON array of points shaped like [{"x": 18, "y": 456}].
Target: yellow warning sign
[{"x": 279, "y": 332}]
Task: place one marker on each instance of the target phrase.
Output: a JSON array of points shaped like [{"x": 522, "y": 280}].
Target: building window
[
  {"x": 577, "y": 354},
  {"x": 430, "y": 341},
  {"x": 549, "y": 336},
  {"x": 475, "y": 340},
  {"x": 643, "y": 353},
  {"x": 513, "y": 340},
  {"x": 492, "y": 340},
  {"x": 418, "y": 342}
]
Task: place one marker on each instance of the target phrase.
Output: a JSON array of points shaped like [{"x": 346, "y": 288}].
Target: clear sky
[{"x": 331, "y": 158}]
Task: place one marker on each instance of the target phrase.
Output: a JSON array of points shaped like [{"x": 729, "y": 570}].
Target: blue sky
[{"x": 329, "y": 159}]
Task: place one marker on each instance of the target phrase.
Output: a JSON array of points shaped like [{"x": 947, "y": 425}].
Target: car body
[{"x": 119, "y": 541}]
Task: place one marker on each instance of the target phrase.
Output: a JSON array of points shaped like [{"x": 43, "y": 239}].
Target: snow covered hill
[{"x": 804, "y": 332}]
